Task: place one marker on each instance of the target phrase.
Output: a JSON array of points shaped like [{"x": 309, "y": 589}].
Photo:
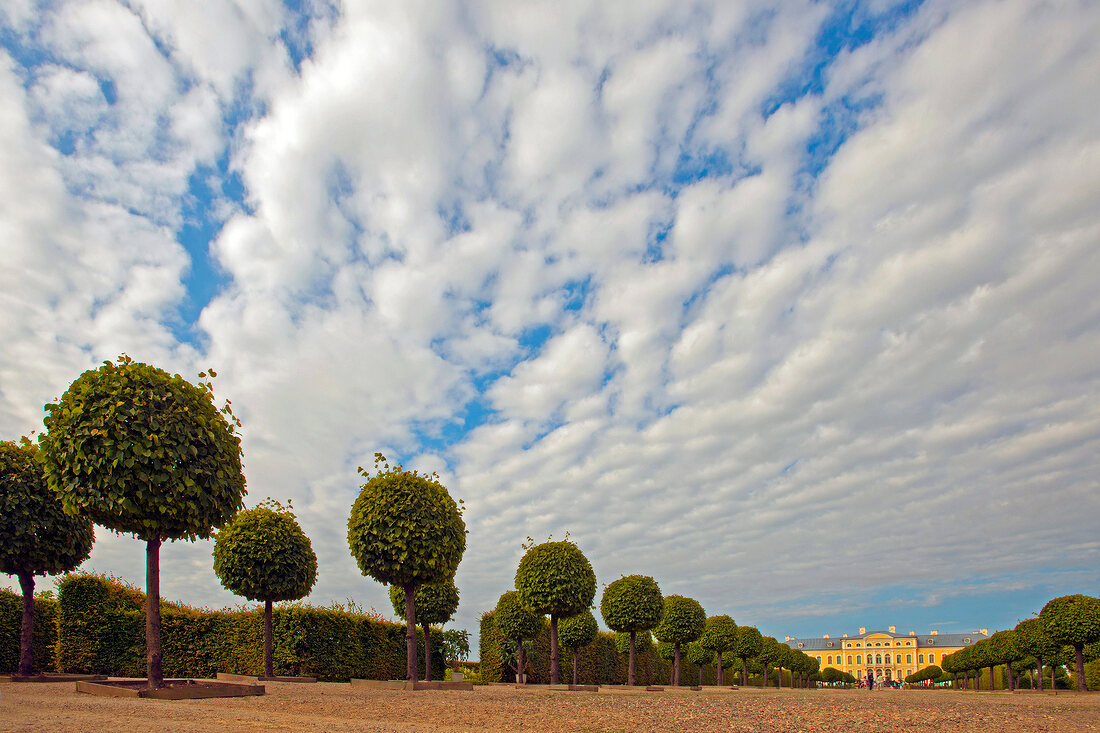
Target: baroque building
[{"x": 887, "y": 655}]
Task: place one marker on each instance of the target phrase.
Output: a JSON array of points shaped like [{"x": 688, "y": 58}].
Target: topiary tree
[
  {"x": 631, "y": 604},
  {"x": 577, "y": 632},
  {"x": 556, "y": 578},
  {"x": 719, "y": 636},
  {"x": 435, "y": 603},
  {"x": 682, "y": 622},
  {"x": 1075, "y": 621},
  {"x": 643, "y": 642},
  {"x": 406, "y": 530},
  {"x": 771, "y": 655},
  {"x": 143, "y": 452},
  {"x": 700, "y": 656},
  {"x": 515, "y": 621},
  {"x": 749, "y": 644},
  {"x": 1006, "y": 651},
  {"x": 263, "y": 555},
  {"x": 1033, "y": 639},
  {"x": 37, "y": 537}
]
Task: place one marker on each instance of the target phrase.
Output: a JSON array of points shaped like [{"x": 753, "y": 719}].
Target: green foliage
[
  {"x": 666, "y": 650},
  {"x": 698, "y": 654},
  {"x": 514, "y": 620},
  {"x": 454, "y": 645},
  {"x": 931, "y": 672},
  {"x": 577, "y": 632},
  {"x": 1004, "y": 647},
  {"x": 36, "y": 535},
  {"x": 719, "y": 634},
  {"x": 140, "y": 451},
  {"x": 1032, "y": 638},
  {"x": 102, "y": 630},
  {"x": 832, "y": 675},
  {"x": 1073, "y": 620},
  {"x": 772, "y": 653},
  {"x": 490, "y": 641},
  {"x": 643, "y": 641},
  {"x": 405, "y": 528},
  {"x": 632, "y": 603},
  {"x": 45, "y": 631},
  {"x": 682, "y": 620},
  {"x": 749, "y": 642},
  {"x": 435, "y": 602},
  {"x": 556, "y": 578},
  {"x": 263, "y": 555}
]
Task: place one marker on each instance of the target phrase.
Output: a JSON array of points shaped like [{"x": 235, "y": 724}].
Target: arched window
[
  {"x": 887, "y": 659},
  {"x": 932, "y": 658},
  {"x": 830, "y": 658},
  {"x": 920, "y": 659},
  {"x": 859, "y": 659},
  {"x": 849, "y": 660},
  {"x": 908, "y": 658},
  {"x": 878, "y": 659}
]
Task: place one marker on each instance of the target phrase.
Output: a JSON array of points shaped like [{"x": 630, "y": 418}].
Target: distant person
[{"x": 870, "y": 682}]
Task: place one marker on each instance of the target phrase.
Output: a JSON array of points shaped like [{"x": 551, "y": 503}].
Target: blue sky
[{"x": 791, "y": 308}]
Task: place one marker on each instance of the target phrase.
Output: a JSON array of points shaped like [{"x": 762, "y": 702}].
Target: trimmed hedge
[
  {"x": 102, "y": 631},
  {"x": 45, "y": 632},
  {"x": 599, "y": 663}
]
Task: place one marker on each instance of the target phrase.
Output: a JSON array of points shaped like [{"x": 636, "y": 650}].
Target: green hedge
[
  {"x": 102, "y": 631},
  {"x": 598, "y": 664},
  {"x": 45, "y": 631}
]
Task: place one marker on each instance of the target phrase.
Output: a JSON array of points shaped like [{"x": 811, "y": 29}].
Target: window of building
[
  {"x": 908, "y": 658},
  {"x": 878, "y": 659},
  {"x": 830, "y": 659},
  {"x": 859, "y": 659},
  {"x": 886, "y": 659},
  {"x": 932, "y": 660},
  {"x": 920, "y": 659},
  {"x": 849, "y": 660}
]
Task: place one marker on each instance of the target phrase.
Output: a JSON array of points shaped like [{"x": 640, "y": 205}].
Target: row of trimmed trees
[
  {"x": 556, "y": 579},
  {"x": 1066, "y": 631}
]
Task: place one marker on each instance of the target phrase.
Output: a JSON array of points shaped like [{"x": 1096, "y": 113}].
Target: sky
[{"x": 791, "y": 306}]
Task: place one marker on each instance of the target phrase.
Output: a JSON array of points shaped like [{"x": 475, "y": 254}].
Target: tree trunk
[
  {"x": 721, "y": 677},
  {"x": 1039, "y": 661},
  {"x": 779, "y": 678},
  {"x": 269, "y": 663},
  {"x": 427, "y": 653},
  {"x": 576, "y": 654},
  {"x": 153, "y": 665},
  {"x": 991, "y": 686},
  {"x": 744, "y": 672},
  {"x": 630, "y": 667},
  {"x": 410, "y": 633},
  {"x": 676, "y": 665},
  {"x": 555, "y": 657},
  {"x": 700, "y": 675},
  {"x": 26, "y": 630},
  {"x": 521, "y": 663},
  {"x": 1078, "y": 650},
  {"x": 765, "y": 675},
  {"x": 1011, "y": 678}
]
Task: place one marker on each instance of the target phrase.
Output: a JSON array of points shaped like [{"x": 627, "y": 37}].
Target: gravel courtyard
[{"x": 338, "y": 707}]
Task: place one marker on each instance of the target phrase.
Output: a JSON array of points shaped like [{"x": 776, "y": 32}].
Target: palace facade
[{"x": 888, "y": 655}]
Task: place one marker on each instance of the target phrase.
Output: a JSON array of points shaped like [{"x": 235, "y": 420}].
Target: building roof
[{"x": 923, "y": 640}]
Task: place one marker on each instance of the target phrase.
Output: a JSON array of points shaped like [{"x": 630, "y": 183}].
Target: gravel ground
[{"x": 338, "y": 707}]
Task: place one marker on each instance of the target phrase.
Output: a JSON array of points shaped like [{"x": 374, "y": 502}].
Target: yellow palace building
[{"x": 888, "y": 655}]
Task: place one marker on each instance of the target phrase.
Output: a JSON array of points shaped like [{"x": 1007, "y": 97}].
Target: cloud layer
[{"x": 792, "y": 309}]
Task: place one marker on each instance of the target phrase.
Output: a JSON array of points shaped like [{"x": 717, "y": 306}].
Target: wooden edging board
[
  {"x": 173, "y": 689},
  {"x": 250, "y": 678},
  {"x": 51, "y": 677}
]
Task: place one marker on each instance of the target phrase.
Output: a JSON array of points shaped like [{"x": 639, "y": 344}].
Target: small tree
[
  {"x": 1032, "y": 638},
  {"x": 631, "y": 604},
  {"x": 37, "y": 537},
  {"x": 435, "y": 603},
  {"x": 682, "y": 622},
  {"x": 263, "y": 555},
  {"x": 771, "y": 655},
  {"x": 1006, "y": 651},
  {"x": 577, "y": 632},
  {"x": 146, "y": 453},
  {"x": 556, "y": 578},
  {"x": 719, "y": 636},
  {"x": 517, "y": 622},
  {"x": 406, "y": 530},
  {"x": 700, "y": 656},
  {"x": 749, "y": 644},
  {"x": 1074, "y": 621}
]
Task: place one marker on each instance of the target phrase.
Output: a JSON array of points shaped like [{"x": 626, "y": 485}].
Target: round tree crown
[
  {"x": 719, "y": 634},
  {"x": 577, "y": 632},
  {"x": 682, "y": 620},
  {"x": 698, "y": 654},
  {"x": 666, "y": 650},
  {"x": 632, "y": 603},
  {"x": 263, "y": 555},
  {"x": 1032, "y": 638},
  {"x": 405, "y": 528},
  {"x": 1072, "y": 619},
  {"x": 514, "y": 620},
  {"x": 435, "y": 602},
  {"x": 36, "y": 535},
  {"x": 749, "y": 641},
  {"x": 556, "y": 578},
  {"x": 141, "y": 451}
]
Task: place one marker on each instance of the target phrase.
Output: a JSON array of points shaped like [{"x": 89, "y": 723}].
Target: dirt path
[{"x": 337, "y": 707}]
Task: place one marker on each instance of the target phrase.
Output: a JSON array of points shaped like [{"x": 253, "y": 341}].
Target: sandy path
[{"x": 337, "y": 707}]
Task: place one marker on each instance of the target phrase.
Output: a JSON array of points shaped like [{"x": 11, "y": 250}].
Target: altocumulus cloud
[{"x": 791, "y": 308}]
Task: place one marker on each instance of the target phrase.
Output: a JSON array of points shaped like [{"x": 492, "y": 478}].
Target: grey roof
[{"x": 923, "y": 640}]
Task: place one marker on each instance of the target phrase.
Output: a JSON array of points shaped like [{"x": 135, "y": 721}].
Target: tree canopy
[
  {"x": 435, "y": 603},
  {"x": 720, "y": 636},
  {"x": 263, "y": 555},
  {"x": 1075, "y": 621}
]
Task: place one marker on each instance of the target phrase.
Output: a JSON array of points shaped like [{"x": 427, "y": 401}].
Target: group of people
[{"x": 870, "y": 683}]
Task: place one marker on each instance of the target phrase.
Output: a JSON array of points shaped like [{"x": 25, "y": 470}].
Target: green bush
[
  {"x": 102, "y": 631},
  {"x": 45, "y": 631}
]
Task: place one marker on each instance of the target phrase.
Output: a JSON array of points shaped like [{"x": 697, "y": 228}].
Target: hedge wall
[
  {"x": 102, "y": 631},
  {"x": 599, "y": 663},
  {"x": 45, "y": 632}
]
